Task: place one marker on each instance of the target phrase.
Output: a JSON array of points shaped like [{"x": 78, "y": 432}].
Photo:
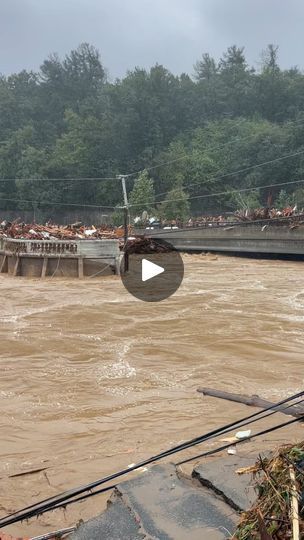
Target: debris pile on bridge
[
  {"x": 50, "y": 231},
  {"x": 265, "y": 213},
  {"x": 279, "y": 511},
  {"x": 141, "y": 245},
  {"x": 77, "y": 231},
  {"x": 204, "y": 221},
  {"x": 257, "y": 214}
]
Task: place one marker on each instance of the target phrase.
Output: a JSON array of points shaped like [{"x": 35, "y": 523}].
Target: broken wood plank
[
  {"x": 252, "y": 401},
  {"x": 25, "y": 473},
  {"x": 294, "y": 504}
]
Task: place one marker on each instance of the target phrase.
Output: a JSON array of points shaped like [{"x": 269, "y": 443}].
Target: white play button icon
[
  {"x": 155, "y": 276},
  {"x": 149, "y": 270}
]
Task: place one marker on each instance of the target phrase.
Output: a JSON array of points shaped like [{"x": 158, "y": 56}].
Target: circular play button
[{"x": 154, "y": 277}]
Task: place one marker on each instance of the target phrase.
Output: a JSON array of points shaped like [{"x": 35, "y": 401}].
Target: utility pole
[{"x": 126, "y": 230}]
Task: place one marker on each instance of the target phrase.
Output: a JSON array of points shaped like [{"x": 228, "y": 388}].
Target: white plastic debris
[
  {"x": 243, "y": 434},
  {"x": 140, "y": 469},
  {"x": 231, "y": 450},
  {"x": 230, "y": 440}
]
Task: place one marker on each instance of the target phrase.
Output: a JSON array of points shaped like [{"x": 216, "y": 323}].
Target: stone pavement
[{"x": 161, "y": 505}]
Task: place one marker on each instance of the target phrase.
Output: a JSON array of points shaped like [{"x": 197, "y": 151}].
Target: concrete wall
[
  {"x": 60, "y": 258},
  {"x": 252, "y": 239}
]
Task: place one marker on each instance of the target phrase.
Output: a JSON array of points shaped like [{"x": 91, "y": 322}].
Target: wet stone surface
[
  {"x": 159, "y": 505},
  {"x": 220, "y": 476}
]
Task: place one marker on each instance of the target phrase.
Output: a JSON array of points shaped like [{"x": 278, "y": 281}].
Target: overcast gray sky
[{"x": 133, "y": 33}]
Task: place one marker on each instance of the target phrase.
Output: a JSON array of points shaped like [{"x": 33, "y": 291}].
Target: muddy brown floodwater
[{"x": 93, "y": 379}]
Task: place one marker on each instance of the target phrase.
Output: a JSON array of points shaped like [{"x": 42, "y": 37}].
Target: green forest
[{"x": 197, "y": 143}]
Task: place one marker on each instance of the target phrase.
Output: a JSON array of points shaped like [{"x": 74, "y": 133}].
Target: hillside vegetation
[{"x": 69, "y": 122}]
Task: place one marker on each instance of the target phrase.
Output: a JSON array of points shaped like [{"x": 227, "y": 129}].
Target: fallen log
[{"x": 252, "y": 401}]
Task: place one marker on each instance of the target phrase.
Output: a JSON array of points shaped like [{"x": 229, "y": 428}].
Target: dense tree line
[{"x": 68, "y": 121}]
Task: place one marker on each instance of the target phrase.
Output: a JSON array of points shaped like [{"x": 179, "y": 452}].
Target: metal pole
[
  {"x": 126, "y": 230},
  {"x": 126, "y": 234},
  {"x": 124, "y": 189}
]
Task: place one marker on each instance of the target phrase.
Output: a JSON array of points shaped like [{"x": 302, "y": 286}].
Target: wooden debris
[
  {"x": 252, "y": 401},
  {"x": 294, "y": 504},
  {"x": 265, "y": 213},
  {"x": 246, "y": 215},
  {"x": 277, "y": 513},
  {"x": 247, "y": 470},
  {"x": 77, "y": 231},
  {"x": 143, "y": 245},
  {"x": 35, "y": 231},
  {"x": 26, "y": 473},
  {"x": 262, "y": 528}
]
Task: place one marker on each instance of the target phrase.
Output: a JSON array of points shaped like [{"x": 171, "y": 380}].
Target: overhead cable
[
  {"x": 50, "y": 503},
  {"x": 227, "y": 192}
]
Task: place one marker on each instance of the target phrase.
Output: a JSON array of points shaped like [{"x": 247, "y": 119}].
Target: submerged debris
[
  {"x": 146, "y": 245},
  {"x": 279, "y": 510}
]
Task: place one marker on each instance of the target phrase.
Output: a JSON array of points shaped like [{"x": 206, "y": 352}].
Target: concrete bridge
[{"x": 259, "y": 238}]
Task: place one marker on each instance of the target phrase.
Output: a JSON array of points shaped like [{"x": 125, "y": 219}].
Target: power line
[
  {"x": 71, "y": 500},
  {"x": 64, "y": 498},
  {"x": 222, "y": 432},
  {"x": 207, "y": 195},
  {"x": 117, "y": 177},
  {"x": 51, "y": 203},
  {"x": 246, "y": 169},
  {"x": 191, "y": 185},
  {"x": 225, "y": 446},
  {"x": 170, "y": 162},
  {"x": 84, "y": 179},
  {"x": 205, "y": 454},
  {"x": 229, "y": 192},
  {"x": 247, "y": 189},
  {"x": 248, "y": 222}
]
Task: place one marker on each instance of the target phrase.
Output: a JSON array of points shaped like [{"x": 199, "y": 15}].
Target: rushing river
[{"x": 93, "y": 379}]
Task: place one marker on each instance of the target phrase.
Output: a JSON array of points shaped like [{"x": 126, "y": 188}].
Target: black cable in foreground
[
  {"x": 108, "y": 488},
  {"x": 205, "y": 454},
  {"x": 225, "y": 446},
  {"x": 63, "y": 498}
]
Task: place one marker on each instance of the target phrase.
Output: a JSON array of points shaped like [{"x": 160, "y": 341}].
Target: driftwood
[
  {"x": 252, "y": 401},
  {"x": 294, "y": 504}
]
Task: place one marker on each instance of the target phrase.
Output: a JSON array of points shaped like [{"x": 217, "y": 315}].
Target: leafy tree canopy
[{"x": 205, "y": 135}]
